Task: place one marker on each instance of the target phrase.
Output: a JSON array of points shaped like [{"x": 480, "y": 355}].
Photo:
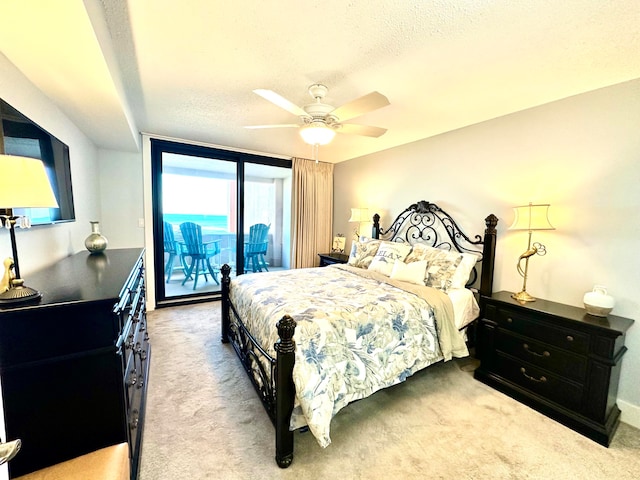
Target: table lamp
[
  {"x": 359, "y": 215},
  {"x": 530, "y": 217},
  {"x": 24, "y": 185}
]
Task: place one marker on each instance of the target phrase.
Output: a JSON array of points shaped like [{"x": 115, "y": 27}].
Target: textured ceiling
[{"x": 187, "y": 69}]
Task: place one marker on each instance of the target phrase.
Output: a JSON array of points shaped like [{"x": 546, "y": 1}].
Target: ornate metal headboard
[{"x": 425, "y": 222}]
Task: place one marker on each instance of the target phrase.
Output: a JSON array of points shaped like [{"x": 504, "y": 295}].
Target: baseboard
[{"x": 630, "y": 413}]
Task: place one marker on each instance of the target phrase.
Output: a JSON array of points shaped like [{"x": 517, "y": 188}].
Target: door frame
[{"x": 160, "y": 146}]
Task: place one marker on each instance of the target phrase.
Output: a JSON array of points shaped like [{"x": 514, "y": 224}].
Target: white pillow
[
  {"x": 414, "y": 272},
  {"x": 463, "y": 270},
  {"x": 386, "y": 256}
]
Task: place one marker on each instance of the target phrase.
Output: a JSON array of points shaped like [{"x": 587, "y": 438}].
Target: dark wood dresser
[
  {"x": 74, "y": 366},
  {"x": 555, "y": 358}
]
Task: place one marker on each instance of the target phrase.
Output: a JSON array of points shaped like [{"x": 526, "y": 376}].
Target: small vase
[{"x": 96, "y": 242}]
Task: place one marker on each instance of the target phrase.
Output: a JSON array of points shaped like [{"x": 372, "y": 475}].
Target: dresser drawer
[
  {"x": 553, "y": 359},
  {"x": 519, "y": 322},
  {"x": 540, "y": 382}
]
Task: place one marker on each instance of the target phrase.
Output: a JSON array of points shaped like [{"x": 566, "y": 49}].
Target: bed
[{"x": 314, "y": 340}]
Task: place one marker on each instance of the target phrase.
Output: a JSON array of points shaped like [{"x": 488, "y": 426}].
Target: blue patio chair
[
  {"x": 256, "y": 247},
  {"x": 200, "y": 253},
  {"x": 170, "y": 247}
]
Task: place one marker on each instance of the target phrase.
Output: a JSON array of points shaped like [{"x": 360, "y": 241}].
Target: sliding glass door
[
  {"x": 267, "y": 189},
  {"x": 215, "y": 207}
]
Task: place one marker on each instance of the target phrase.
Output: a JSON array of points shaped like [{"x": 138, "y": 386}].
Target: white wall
[
  {"x": 580, "y": 154},
  {"x": 121, "y": 189}
]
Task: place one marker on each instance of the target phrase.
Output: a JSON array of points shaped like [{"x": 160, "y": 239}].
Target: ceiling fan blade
[
  {"x": 281, "y": 102},
  {"x": 360, "y": 106},
  {"x": 282, "y": 125},
  {"x": 364, "y": 130}
]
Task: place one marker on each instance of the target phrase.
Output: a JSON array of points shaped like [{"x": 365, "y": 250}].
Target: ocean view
[{"x": 211, "y": 222}]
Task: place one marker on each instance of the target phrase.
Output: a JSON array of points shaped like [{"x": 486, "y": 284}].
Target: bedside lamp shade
[
  {"x": 359, "y": 216},
  {"x": 531, "y": 217},
  {"x": 24, "y": 185}
]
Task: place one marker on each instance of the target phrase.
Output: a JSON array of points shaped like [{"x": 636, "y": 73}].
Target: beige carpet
[{"x": 204, "y": 421}]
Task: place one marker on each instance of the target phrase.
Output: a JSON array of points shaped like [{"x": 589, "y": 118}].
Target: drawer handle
[
  {"x": 529, "y": 377},
  {"x": 135, "y": 418},
  {"x": 569, "y": 338},
  {"x": 133, "y": 378},
  {"x": 143, "y": 353},
  {"x": 509, "y": 320},
  {"x": 543, "y": 354}
]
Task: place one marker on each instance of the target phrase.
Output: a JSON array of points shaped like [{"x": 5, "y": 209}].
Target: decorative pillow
[
  {"x": 386, "y": 256},
  {"x": 447, "y": 269},
  {"x": 419, "y": 251},
  {"x": 414, "y": 272},
  {"x": 463, "y": 271},
  {"x": 362, "y": 253},
  {"x": 441, "y": 269}
]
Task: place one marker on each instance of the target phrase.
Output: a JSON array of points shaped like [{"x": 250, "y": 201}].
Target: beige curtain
[{"x": 312, "y": 199}]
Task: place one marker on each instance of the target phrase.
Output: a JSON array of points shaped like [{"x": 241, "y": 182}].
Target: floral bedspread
[{"x": 355, "y": 334}]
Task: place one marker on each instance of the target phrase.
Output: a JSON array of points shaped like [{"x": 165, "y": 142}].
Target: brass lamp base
[
  {"x": 523, "y": 297},
  {"x": 19, "y": 293}
]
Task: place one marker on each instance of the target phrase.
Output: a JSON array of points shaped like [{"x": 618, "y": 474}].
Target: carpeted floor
[{"x": 204, "y": 420}]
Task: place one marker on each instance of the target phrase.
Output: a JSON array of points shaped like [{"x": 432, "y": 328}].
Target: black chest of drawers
[
  {"x": 554, "y": 358},
  {"x": 73, "y": 367}
]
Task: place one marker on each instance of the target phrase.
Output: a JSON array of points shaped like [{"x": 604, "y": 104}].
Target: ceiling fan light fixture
[{"x": 317, "y": 133}]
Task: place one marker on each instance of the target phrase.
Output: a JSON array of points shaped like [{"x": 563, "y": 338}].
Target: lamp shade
[
  {"x": 359, "y": 215},
  {"x": 317, "y": 133},
  {"x": 24, "y": 183},
  {"x": 531, "y": 217}
]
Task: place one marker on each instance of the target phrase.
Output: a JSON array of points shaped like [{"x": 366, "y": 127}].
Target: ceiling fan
[{"x": 321, "y": 121}]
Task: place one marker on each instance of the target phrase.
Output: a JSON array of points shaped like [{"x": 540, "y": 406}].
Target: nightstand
[
  {"x": 555, "y": 358},
  {"x": 331, "y": 258}
]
